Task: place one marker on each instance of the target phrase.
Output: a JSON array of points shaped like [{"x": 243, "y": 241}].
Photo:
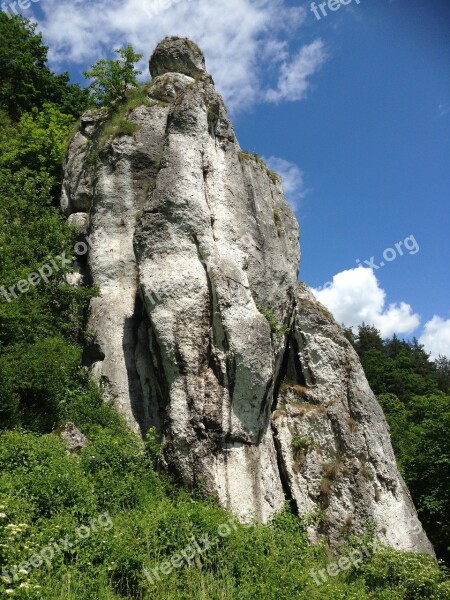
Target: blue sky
[
  {"x": 373, "y": 141},
  {"x": 354, "y": 109}
]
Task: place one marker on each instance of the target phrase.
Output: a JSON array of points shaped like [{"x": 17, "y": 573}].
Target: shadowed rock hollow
[{"x": 202, "y": 330}]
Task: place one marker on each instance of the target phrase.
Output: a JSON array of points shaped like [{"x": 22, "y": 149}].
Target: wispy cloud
[
  {"x": 443, "y": 109},
  {"x": 293, "y": 82},
  {"x": 246, "y": 42}
]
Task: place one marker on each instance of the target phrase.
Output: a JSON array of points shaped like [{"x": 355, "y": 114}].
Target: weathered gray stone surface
[
  {"x": 333, "y": 440},
  {"x": 201, "y": 329},
  {"x": 72, "y": 436},
  {"x": 177, "y": 55}
]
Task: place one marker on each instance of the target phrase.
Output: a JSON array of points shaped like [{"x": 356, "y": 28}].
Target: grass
[
  {"x": 332, "y": 470},
  {"x": 92, "y": 157},
  {"x": 278, "y": 414},
  {"x": 301, "y": 445},
  {"x": 326, "y": 485},
  {"x": 365, "y": 472},
  {"x": 352, "y": 424},
  {"x": 118, "y": 123},
  {"x": 149, "y": 187},
  {"x": 318, "y": 307},
  {"x": 303, "y": 408},
  {"x": 300, "y": 389},
  {"x": 74, "y": 129},
  {"x": 116, "y": 127},
  {"x": 297, "y": 388},
  {"x": 274, "y": 177}
]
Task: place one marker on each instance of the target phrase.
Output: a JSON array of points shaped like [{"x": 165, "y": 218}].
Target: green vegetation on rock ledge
[
  {"x": 244, "y": 155},
  {"x": 275, "y": 327}
]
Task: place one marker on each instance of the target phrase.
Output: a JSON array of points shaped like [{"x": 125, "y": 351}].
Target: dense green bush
[
  {"x": 407, "y": 574},
  {"x": 46, "y": 494}
]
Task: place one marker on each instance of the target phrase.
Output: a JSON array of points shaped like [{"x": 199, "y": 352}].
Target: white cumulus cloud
[
  {"x": 436, "y": 337},
  {"x": 245, "y": 41},
  {"x": 355, "y": 296},
  {"x": 292, "y": 176}
]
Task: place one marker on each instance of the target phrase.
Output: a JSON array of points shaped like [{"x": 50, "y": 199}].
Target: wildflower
[
  {"x": 2, "y": 516},
  {"x": 24, "y": 585}
]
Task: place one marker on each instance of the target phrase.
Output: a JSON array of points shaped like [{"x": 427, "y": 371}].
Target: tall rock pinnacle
[{"x": 201, "y": 329}]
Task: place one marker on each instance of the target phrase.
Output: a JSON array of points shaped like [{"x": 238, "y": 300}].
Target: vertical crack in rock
[
  {"x": 283, "y": 472},
  {"x": 195, "y": 252}
]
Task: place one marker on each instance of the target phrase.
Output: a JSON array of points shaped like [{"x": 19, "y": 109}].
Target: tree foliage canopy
[
  {"x": 112, "y": 78},
  {"x": 26, "y": 80},
  {"x": 414, "y": 394}
]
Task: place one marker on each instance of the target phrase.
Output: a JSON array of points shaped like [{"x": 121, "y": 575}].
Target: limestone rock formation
[{"x": 201, "y": 329}]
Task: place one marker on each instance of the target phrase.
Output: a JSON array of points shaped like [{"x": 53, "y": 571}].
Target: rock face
[
  {"x": 201, "y": 329},
  {"x": 73, "y": 437}
]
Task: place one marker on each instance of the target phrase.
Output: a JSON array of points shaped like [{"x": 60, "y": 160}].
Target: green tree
[
  {"x": 26, "y": 80},
  {"x": 442, "y": 364},
  {"x": 420, "y": 434},
  {"x": 37, "y": 142},
  {"x": 408, "y": 387},
  {"x": 397, "y": 415},
  {"x": 112, "y": 78},
  {"x": 40, "y": 327},
  {"x": 369, "y": 338}
]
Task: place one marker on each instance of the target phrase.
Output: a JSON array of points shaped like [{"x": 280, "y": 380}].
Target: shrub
[
  {"x": 302, "y": 444},
  {"x": 414, "y": 575}
]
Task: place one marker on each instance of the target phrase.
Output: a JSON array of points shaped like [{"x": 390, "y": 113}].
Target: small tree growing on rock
[{"x": 112, "y": 78}]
